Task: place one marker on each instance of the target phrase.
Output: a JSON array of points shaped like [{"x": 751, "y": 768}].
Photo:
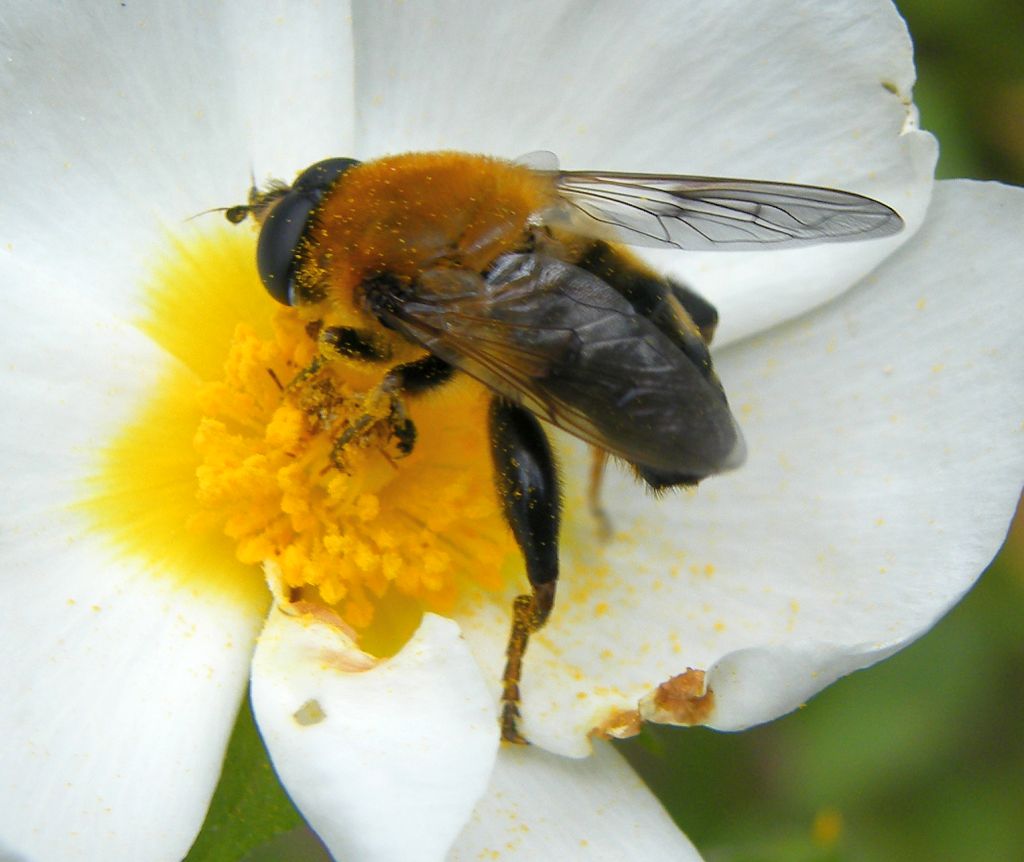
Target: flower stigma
[{"x": 233, "y": 462}]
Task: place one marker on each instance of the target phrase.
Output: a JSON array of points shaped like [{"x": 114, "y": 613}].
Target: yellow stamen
[{"x": 242, "y": 448}]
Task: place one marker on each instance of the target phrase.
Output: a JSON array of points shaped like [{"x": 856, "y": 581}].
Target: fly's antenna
[
  {"x": 207, "y": 212},
  {"x": 236, "y": 214},
  {"x": 239, "y": 212}
]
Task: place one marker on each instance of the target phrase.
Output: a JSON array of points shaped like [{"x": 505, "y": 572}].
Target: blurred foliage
[
  {"x": 921, "y": 757},
  {"x": 249, "y": 807},
  {"x": 970, "y": 86}
]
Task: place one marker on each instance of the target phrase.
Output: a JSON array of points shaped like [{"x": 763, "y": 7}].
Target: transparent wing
[
  {"x": 568, "y": 347},
  {"x": 708, "y": 213}
]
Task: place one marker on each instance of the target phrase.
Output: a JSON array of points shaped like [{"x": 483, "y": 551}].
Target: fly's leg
[
  {"x": 598, "y": 463},
  {"x": 384, "y": 403},
  {"x": 529, "y": 613},
  {"x": 351, "y": 343},
  {"x": 702, "y": 312},
  {"x": 528, "y": 487},
  {"x": 334, "y": 342}
]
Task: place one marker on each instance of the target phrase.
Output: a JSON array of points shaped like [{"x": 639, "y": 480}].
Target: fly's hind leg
[
  {"x": 598, "y": 463},
  {"x": 529, "y": 613},
  {"x": 528, "y": 487}
]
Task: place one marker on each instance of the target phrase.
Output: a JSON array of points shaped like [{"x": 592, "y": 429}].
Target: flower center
[
  {"x": 373, "y": 533},
  {"x": 346, "y": 526}
]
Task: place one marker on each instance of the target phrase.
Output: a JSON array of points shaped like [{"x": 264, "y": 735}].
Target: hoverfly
[{"x": 517, "y": 276}]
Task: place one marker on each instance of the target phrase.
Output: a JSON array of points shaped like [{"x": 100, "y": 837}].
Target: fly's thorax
[{"x": 404, "y": 215}]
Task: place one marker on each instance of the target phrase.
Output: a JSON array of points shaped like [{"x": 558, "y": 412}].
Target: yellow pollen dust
[
  {"x": 377, "y": 535},
  {"x": 349, "y": 528}
]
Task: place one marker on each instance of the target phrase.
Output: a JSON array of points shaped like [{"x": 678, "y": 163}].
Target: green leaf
[
  {"x": 249, "y": 806},
  {"x": 299, "y": 845}
]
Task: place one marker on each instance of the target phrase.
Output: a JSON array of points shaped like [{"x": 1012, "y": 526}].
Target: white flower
[{"x": 884, "y": 427}]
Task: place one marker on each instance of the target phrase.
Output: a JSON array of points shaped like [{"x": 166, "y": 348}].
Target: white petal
[
  {"x": 73, "y": 375},
  {"x": 122, "y": 118},
  {"x": 796, "y": 92},
  {"x": 909, "y": 499},
  {"x": 886, "y": 457},
  {"x": 385, "y": 761},
  {"x": 541, "y": 806},
  {"x": 123, "y": 679},
  {"x": 120, "y": 692}
]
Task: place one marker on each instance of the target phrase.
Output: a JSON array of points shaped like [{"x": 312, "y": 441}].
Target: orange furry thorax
[{"x": 404, "y": 214}]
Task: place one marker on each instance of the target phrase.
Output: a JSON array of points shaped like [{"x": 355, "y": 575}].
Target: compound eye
[
  {"x": 318, "y": 179},
  {"x": 282, "y": 231},
  {"x": 286, "y": 225}
]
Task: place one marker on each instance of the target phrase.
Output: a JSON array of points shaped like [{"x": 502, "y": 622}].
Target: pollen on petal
[{"x": 682, "y": 700}]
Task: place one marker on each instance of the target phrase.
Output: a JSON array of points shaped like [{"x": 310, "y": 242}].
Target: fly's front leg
[
  {"x": 528, "y": 487},
  {"x": 385, "y": 402},
  {"x": 333, "y": 342}
]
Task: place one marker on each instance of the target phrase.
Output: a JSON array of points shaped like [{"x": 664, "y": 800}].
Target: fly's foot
[
  {"x": 383, "y": 412},
  {"x": 510, "y": 725},
  {"x": 404, "y": 433},
  {"x": 529, "y": 613},
  {"x": 522, "y": 625}
]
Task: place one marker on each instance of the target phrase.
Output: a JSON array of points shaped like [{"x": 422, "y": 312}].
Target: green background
[{"x": 919, "y": 758}]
